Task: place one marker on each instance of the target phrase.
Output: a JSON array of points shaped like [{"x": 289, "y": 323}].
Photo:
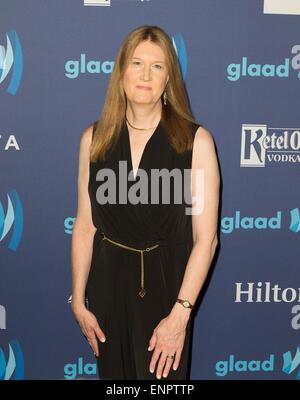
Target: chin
[{"x": 139, "y": 101}]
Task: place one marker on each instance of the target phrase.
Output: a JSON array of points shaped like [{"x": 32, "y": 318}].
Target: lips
[{"x": 144, "y": 87}]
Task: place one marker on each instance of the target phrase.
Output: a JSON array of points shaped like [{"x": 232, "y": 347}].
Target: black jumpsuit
[{"x": 127, "y": 316}]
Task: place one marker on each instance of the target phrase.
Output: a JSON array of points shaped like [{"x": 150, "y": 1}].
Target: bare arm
[
  {"x": 204, "y": 223},
  {"x": 84, "y": 229},
  {"x": 169, "y": 335},
  {"x": 82, "y": 248}
]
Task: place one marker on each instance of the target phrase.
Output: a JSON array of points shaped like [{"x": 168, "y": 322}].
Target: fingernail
[
  {"x": 164, "y": 375},
  {"x": 151, "y": 370},
  {"x": 103, "y": 340},
  {"x": 158, "y": 376},
  {"x": 174, "y": 369},
  {"x": 149, "y": 348}
]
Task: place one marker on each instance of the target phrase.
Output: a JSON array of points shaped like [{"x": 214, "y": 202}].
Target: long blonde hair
[{"x": 176, "y": 116}]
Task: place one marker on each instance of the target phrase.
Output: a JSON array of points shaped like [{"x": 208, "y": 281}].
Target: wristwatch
[{"x": 185, "y": 303}]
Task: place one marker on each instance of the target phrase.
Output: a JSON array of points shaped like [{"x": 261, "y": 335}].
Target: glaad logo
[
  {"x": 295, "y": 220},
  {"x": 2, "y": 317},
  {"x": 223, "y": 367},
  {"x": 229, "y": 224},
  {"x": 11, "y": 58},
  {"x": 68, "y": 225},
  {"x": 260, "y": 144},
  {"x": 13, "y": 217},
  {"x": 73, "y": 371},
  {"x": 14, "y": 367},
  {"x": 74, "y": 67},
  {"x": 235, "y": 71},
  {"x": 290, "y": 364},
  {"x": 179, "y": 45}
]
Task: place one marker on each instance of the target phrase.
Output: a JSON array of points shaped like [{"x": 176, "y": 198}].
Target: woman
[{"x": 141, "y": 264}]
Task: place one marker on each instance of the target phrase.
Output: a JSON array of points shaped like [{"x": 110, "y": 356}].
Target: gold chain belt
[{"x": 142, "y": 292}]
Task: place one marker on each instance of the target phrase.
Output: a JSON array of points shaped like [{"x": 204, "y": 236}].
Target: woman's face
[{"x": 146, "y": 75}]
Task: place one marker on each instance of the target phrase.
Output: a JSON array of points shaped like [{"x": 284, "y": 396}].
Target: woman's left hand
[{"x": 168, "y": 339}]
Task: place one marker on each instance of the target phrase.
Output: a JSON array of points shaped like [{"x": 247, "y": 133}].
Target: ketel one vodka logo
[
  {"x": 11, "y": 59},
  {"x": 261, "y": 145}
]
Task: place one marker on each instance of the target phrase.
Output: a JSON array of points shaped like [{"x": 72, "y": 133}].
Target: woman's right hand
[{"x": 90, "y": 327}]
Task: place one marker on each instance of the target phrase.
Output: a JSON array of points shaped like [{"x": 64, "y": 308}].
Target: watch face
[{"x": 186, "y": 303}]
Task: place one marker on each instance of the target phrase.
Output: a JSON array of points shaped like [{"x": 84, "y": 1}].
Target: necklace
[{"x": 140, "y": 129}]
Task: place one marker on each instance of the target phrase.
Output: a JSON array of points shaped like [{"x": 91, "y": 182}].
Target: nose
[{"x": 146, "y": 73}]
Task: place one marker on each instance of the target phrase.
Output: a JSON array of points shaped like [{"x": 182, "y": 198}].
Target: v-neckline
[{"x": 144, "y": 150}]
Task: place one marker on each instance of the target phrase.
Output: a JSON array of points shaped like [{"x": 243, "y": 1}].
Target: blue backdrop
[{"x": 241, "y": 65}]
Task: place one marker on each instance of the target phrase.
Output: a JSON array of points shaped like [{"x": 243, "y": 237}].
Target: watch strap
[{"x": 183, "y": 302}]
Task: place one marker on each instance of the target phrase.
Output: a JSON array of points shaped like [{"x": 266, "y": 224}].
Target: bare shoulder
[
  {"x": 87, "y": 135},
  {"x": 204, "y": 150},
  {"x": 204, "y": 158},
  {"x": 203, "y": 139}
]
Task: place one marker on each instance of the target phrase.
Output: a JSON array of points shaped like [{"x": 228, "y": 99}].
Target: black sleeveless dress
[{"x": 127, "y": 316}]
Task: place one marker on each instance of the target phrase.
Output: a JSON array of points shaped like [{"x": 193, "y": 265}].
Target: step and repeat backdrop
[{"x": 241, "y": 64}]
